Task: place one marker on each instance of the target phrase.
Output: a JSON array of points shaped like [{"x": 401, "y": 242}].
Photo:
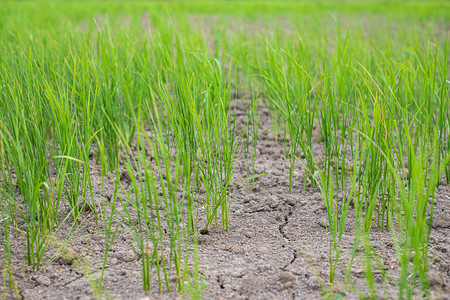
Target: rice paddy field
[{"x": 224, "y": 150}]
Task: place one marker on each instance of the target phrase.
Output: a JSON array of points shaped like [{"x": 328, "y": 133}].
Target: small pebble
[
  {"x": 239, "y": 212},
  {"x": 264, "y": 250},
  {"x": 290, "y": 201},
  {"x": 248, "y": 234}
]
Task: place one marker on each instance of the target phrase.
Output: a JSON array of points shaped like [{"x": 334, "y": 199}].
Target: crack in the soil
[
  {"x": 286, "y": 220},
  {"x": 294, "y": 258},
  {"x": 220, "y": 281},
  {"x": 291, "y": 207}
]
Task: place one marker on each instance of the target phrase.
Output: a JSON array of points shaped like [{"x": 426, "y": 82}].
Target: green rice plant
[
  {"x": 412, "y": 227},
  {"x": 173, "y": 215},
  {"x": 334, "y": 109},
  {"x": 159, "y": 184},
  {"x": 414, "y": 224},
  {"x": 5, "y": 242},
  {"x": 381, "y": 148},
  {"x": 218, "y": 146},
  {"x": 39, "y": 123},
  {"x": 66, "y": 138},
  {"x": 252, "y": 130},
  {"x": 193, "y": 287},
  {"x": 111, "y": 104},
  {"x": 39, "y": 208},
  {"x": 200, "y": 127},
  {"x": 337, "y": 210},
  {"x": 291, "y": 101},
  {"x": 147, "y": 231},
  {"x": 109, "y": 233},
  {"x": 374, "y": 164}
]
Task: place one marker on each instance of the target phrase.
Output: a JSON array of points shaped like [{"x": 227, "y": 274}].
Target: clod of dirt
[
  {"x": 249, "y": 198},
  {"x": 125, "y": 176},
  {"x": 273, "y": 201},
  {"x": 322, "y": 224},
  {"x": 203, "y": 239},
  {"x": 43, "y": 280},
  {"x": 312, "y": 283},
  {"x": 436, "y": 279},
  {"x": 239, "y": 272},
  {"x": 61, "y": 260},
  {"x": 247, "y": 233},
  {"x": 441, "y": 221},
  {"x": 286, "y": 281},
  {"x": 249, "y": 286},
  {"x": 290, "y": 200},
  {"x": 126, "y": 256}
]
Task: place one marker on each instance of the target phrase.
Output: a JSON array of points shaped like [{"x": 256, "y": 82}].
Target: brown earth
[{"x": 277, "y": 246}]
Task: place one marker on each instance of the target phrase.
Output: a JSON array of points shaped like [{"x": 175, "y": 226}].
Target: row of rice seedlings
[
  {"x": 90, "y": 97},
  {"x": 27, "y": 161},
  {"x": 370, "y": 115},
  {"x": 153, "y": 231},
  {"x": 191, "y": 137},
  {"x": 396, "y": 149},
  {"x": 49, "y": 114}
]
